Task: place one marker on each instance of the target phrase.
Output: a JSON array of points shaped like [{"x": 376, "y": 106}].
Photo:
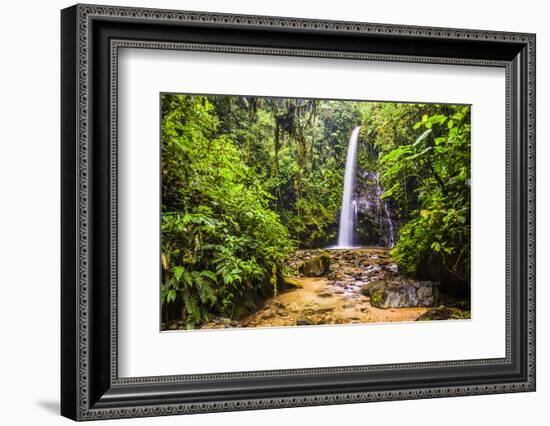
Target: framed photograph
[{"x": 263, "y": 212}]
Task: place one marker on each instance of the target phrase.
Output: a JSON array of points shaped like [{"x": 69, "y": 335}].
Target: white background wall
[{"x": 29, "y": 212}]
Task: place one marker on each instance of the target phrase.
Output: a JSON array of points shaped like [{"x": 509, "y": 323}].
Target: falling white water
[{"x": 348, "y": 212}]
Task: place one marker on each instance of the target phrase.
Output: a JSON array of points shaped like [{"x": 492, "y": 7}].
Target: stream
[{"x": 335, "y": 298}]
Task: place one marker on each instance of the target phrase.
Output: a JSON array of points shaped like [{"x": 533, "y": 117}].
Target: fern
[
  {"x": 192, "y": 309},
  {"x": 206, "y": 291}
]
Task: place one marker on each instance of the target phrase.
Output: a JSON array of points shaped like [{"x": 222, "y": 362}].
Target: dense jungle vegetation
[{"x": 248, "y": 180}]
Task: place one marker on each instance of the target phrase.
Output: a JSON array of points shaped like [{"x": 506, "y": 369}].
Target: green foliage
[
  {"x": 376, "y": 298},
  {"x": 434, "y": 241},
  {"x": 221, "y": 243}
]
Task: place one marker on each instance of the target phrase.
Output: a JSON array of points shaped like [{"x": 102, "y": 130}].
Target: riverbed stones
[
  {"x": 332, "y": 275},
  {"x": 316, "y": 266}
]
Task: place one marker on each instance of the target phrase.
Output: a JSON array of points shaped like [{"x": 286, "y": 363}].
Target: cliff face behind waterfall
[{"x": 376, "y": 223}]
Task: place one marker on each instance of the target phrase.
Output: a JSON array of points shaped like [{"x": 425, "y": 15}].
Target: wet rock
[
  {"x": 315, "y": 267},
  {"x": 463, "y": 304},
  {"x": 444, "y": 313},
  {"x": 425, "y": 292},
  {"x": 347, "y": 306},
  {"x": 402, "y": 294},
  {"x": 372, "y": 286},
  {"x": 332, "y": 274},
  {"x": 391, "y": 267},
  {"x": 292, "y": 283},
  {"x": 325, "y": 294},
  {"x": 371, "y": 269}
]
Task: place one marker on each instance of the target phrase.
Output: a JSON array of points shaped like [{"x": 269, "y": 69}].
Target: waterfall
[
  {"x": 348, "y": 212},
  {"x": 371, "y": 201}
]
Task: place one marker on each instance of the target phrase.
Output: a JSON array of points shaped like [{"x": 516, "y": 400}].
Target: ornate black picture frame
[{"x": 91, "y": 36}]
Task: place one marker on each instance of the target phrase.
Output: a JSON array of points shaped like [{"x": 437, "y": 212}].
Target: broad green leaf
[{"x": 422, "y": 137}]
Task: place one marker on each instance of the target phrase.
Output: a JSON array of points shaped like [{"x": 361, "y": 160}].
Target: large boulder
[
  {"x": 402, "y": 294},
  {"x": 316, "y": 266}
]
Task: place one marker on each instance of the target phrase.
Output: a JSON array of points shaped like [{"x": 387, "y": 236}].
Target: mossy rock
[
  {"x": 377, "y": 298},
  {"x": 316, "y": 267},
  {"x": 292, "y": 283},
  {"x": 372, "y": 287},
  {"x": 445, "y": 313}
]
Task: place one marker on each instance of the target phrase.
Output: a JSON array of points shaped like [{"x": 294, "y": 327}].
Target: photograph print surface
[{"x": 284, "y": 212}]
